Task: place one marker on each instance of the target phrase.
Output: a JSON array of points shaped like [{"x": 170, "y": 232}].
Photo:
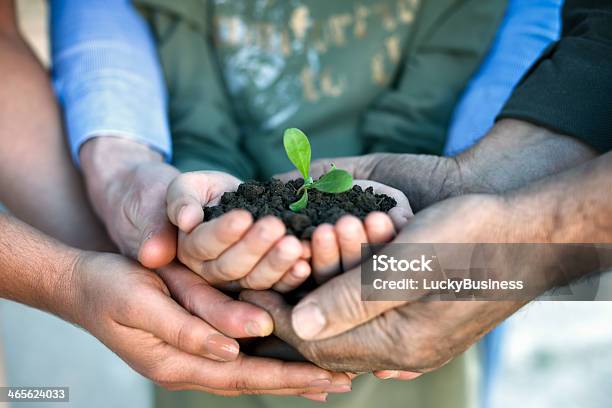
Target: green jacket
[{"x": 357, "y": 76}]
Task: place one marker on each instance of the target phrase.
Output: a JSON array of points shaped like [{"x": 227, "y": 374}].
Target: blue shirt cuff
[
  {"x": 533, "y": 24},
  {"x": 107, "y": 75}
]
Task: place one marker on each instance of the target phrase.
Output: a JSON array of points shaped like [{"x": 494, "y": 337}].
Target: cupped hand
[
  {"x": 333, "y": 327},
  {"x": 335, "y": 248},
  {"x": 454, "y": 220},
  {"x": 232, "y": 248},
  {"x": 400, "y": 344},
  {"x": 130, "y": 310}
]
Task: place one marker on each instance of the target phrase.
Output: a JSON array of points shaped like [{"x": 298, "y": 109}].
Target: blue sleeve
[
  {"x": 528, "y": 28},
  {"x": 107, "y": 74}
]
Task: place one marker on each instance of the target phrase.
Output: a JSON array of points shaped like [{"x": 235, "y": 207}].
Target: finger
[
  {"x": 212, "y": 238},
  {"x": 363, "y": 349},
  {"x": 189, "y": 215},
  {"x": 165, "y": 319},
  {"x": 274, "y": 265},
  {"x": 402, "y": 212},
  {"x": 379, "y": 188},
  {"x": 189, "y": 192},
  {"x": 276, "y": 306},
  {"x": 400, "y": 217},
  {"x": 379, "y": 228},
  {"x": 325, "y": 253},
  {"x": 306, "y": 250},
  {"x": 318, "y": 397},
  {"x": 396, "y": 375},
  {"x": 245, "y": 375},
  {"x": 233, "y": 393},
  {"x": 408, "y": 375},
  {"x": 184, "y": 204},
  {"x": 337, "y": 384},
  {"x": 351, "y": 234},
  {"x": 256, "y": 373},
  {"x": 294, "y": 277},
  {"x": 242, "y": 257},
  {"x": 158, "y": 245},
  {"x": 336, "y": 307},
  {"x": 233, "y": 318}
]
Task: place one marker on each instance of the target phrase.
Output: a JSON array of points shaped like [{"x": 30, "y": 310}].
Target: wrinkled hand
[
  {"x": 130, "y": 310},
  {"x": 332, "y": 327},
  {"x": 232, "y": 248}
]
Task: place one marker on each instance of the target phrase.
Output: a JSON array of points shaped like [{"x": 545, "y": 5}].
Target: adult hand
[
  {"x": 231, "y": 248},
  {"x": 130, "y": 310},
  {"x": 129, "y": 195},
  {"x": 334, "y": 328}
]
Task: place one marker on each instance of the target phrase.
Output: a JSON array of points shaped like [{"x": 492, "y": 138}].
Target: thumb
[
  {"x": 336, "y": 307},
  {"x": 171, "y": 323},
  {"x": 147, "y": 234},
  {"x": 231, "y": 317},
  {"x": 189, "y": 192},
  {"x": 402, "y": 212},
  {"x": 273, "y": 303},
  {"x": 158, "y": 243},
  {"x": 184, "y": 205}
]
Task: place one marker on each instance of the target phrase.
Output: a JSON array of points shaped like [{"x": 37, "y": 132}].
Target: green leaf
[
  {"x": 297, "y": 147},
  {"x": 334, "y": 181},
  {"x": 300, "y": 204}
]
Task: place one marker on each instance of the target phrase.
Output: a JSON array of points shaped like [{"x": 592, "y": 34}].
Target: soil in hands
[{"x": 273, "y": 198}]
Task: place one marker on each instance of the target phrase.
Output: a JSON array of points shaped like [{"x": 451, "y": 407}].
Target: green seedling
[{"x": 334, "y": 181}]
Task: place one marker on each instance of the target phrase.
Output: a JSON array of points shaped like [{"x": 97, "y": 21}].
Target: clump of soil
[{"x": 273, "y": 198}]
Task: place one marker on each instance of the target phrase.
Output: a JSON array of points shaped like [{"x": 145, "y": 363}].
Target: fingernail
[
  {"x": 300, "y": 272},
  {"x": 308, "y": 321},
  {"x": 322, "y": 397},
  {"x": 407, "y": 375},
  {"x": 222, "y": 347},
  {"x": 254, "y": 329},
  {"x": 390, "y": 374},
  {"x": 322, "y": 383},
  {"x": 338, "y": 388}
]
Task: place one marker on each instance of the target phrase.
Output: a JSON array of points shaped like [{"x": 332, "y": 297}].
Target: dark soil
[{"x": 273, "y": 198}]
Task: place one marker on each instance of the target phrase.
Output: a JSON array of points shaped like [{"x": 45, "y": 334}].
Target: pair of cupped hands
[{"x": 178, "y": 327}]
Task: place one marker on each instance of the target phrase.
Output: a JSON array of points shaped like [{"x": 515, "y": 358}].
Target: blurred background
[{"x": 553, "y": 354}]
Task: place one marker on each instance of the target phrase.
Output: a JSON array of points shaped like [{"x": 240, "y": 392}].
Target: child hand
[
  {"x": 232, "y": 251},
  {"x": 338, "y": 247}
]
